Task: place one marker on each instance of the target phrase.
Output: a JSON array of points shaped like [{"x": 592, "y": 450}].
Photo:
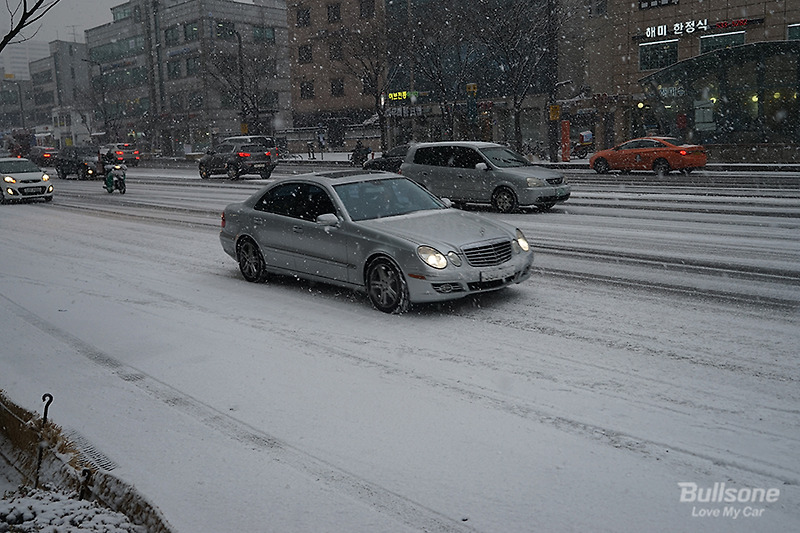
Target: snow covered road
[{"x": 656, "y": 344}]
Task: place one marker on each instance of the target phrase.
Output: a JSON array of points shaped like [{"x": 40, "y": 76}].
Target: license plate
[
  {"x": 258, "y": 165},
  {"x": 500, "y": 273}
]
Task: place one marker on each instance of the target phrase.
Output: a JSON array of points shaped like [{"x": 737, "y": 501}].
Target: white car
[{"x": 23, "y": 180}]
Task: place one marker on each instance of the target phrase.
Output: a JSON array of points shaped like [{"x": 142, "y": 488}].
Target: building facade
[
  {"x": 632, "y": 42},
  {"x": 174, "y": 75},
  {"x": 336, "y": 52}
]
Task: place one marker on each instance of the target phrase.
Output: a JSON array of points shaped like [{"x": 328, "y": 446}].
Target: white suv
[{"x": 486, "y": 173}]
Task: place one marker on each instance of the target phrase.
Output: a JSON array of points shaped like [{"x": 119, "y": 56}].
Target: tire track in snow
[{"x": 388, "y": 502}]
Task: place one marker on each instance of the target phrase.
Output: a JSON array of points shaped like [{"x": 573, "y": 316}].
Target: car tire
[
  {"x": 251, "y": 262},
  {"x": 601, "y": 166},
  {"x": 661, "y": 167},
  {"x": 204, "y": 173},
  {"x": 546, "y": 207},
  {"x": 232, "y": 171},
  {"x": 386, "y": 286},
  {"x": 504, "y": 200},
  {"x": 265, "y": 174}
]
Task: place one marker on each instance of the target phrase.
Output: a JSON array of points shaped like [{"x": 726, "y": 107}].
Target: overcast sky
[{"x": 69, "y": 18}]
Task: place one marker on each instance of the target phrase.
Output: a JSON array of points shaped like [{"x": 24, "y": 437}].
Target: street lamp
[
  {"x": 243, "y": 126},
  {"x": 102, "y": 92}
]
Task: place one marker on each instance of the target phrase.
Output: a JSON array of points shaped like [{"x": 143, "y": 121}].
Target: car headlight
[
  {"x": 536, "y": 182},
  {"x": 454, "y": 259},
  {"x": 9, "y": 179},
  {"x": 522, "y": 241},
  {"x": 432, "y": 257},
  {"x": 45, "y": 177}
]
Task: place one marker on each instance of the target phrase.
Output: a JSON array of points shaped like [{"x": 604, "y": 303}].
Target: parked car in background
[
  {"x": 389, "y": 161},
  {"x": 236, "y": 159},
  {"x": 23, "y": 180},
  {"x": 376, "y": 232},
  {"x": 658, "y": 154},
  {"x": 42, "y": 155},
  {"x": 486, "y": 173},
  {"x": 82, "y": 161},
  {"x": 126, "y": 153}
]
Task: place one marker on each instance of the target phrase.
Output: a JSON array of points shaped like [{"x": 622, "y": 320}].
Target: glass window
[
  {"x": 337, "y": 87},
  {"x": 334, "y": 12},
  {"x": 303, "y": 17},
  {"x": 724, "y": 40},
  {"x": 281, "y": 200},
  {"x": 367, "y": 8},
  {"x": 335, "y": 51},
  {"x": 437, "y": 156},
  {"x": 226, "y": 30},
  {"x": 305, "y": 54},
  {"x": 793, "y": 32},
  {"x": 192, "y": 65},
  {"x": 307, "y": 90},
  {"x": 262, "y": 34},
  {"x": 172, "y": 35},
  {"x": 191, "y": 31},
  {"x": 173, "y": 69},
  {"x": 653, "y": 56}
]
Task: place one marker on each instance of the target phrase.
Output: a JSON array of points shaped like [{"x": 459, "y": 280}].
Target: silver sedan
[{"x": 376, "y": 232}]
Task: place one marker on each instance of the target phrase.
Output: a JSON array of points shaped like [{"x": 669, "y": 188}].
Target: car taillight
[
  {"x": 46, "y": 155},
  {"x": 683, "y": 152},
  {"x": 244, "y": 154},
  {"x": 223, "y": 220},
  {"x": 119, "y": 153},
  {"x": 136, "y": 152}
]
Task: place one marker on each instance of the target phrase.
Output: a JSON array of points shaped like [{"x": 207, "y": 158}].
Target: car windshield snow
[
  {"x": 366, "y": 200},
  {"x": 18, "y": 167},
  {"x": 505, "y": 158}
]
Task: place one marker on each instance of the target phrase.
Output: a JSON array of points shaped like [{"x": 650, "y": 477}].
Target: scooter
[{"x": 115, "y": 177}]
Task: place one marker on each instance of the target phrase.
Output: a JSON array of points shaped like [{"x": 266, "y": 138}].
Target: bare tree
[
  {"x": 516, "y": 38},
  {"x": 442, "y": 53},
  {"x": 24, "y": 16},
  {"x": 246, "y": 79},
  {"x": 364, "y": 57}
]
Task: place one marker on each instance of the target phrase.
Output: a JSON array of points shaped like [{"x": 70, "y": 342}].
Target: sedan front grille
[
  {"x": 488, "y": 254},
  {"x": 555, "y": 181}
]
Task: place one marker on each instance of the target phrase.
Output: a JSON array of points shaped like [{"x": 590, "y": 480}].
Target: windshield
[
  {"x": 505, "y": 157},
  {"x": 366, "y": 200},
  {"x": 18, "y": 167}
]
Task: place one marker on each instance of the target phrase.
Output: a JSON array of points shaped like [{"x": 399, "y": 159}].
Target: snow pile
[{"x": 50, "y": 512}]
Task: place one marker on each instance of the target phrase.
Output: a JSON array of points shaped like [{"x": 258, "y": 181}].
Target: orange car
[{"x": 659, "y": 154}]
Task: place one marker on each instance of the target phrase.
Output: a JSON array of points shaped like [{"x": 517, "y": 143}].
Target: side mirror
[
  {"x": 481, "y": 166},
  {"x": 327, "y": 219},
  {"x": 447, "y": 202}
]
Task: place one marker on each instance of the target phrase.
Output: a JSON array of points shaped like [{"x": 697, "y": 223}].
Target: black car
[
  {"x": 237, "y": 158},
  {"x": 389, "y": 161},
  {"x": 42, "y": 155},
  {"x": 83, "y": 161}
]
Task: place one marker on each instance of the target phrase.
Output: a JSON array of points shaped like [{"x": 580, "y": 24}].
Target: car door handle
[
  {"x": 258, "y": 220},
  {"x": 297, "y": 229}
]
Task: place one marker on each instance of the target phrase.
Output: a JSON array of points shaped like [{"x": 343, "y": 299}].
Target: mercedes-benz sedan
[{"x": 376, "y": 232}]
